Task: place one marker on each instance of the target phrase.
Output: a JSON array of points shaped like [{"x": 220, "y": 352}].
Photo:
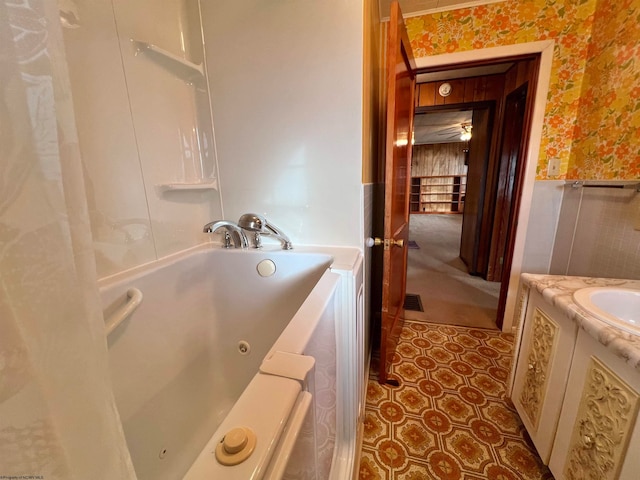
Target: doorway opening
[{"x": 465, "y": 192}]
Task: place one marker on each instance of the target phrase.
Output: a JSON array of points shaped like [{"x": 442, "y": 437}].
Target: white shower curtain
[{"x": 58, "y": 418}]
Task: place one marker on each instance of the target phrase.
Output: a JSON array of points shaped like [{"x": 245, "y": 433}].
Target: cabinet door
[
  {"x": 542, "y": 369},
  {"x": 598, "y": 432}
]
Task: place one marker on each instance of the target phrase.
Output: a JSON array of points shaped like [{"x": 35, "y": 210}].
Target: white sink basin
[{"x": 616, "y": 306}]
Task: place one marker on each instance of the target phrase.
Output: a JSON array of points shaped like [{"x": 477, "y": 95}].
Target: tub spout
[
  {"x": 260, "y": 226},
  {"x": 233, "y": 235}
]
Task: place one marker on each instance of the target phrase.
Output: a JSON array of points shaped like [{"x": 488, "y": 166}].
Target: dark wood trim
[
  {"x": 456, "y": 107},
  {"x": 517, "y": 192},
  {"x": 510, "y": 162},
  {"x": 479, "y": 63}
]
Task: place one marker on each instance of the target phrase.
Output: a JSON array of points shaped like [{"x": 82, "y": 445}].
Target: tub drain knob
[
  {"x": 236, "y": 446},
  {"x": 235, "y": 441}
]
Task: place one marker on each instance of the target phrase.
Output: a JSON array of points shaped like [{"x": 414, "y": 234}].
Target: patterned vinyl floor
[{"x": 449, "y": 419}]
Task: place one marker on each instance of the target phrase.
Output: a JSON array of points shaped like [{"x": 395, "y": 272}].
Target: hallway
[{"x": 435, "y": 272}]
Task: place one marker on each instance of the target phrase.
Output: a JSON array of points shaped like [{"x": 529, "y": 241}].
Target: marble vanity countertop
[{"x": 558, "y": 291}]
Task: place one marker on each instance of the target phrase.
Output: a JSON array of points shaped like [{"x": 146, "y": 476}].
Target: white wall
[{"x": 286, "y": 83}]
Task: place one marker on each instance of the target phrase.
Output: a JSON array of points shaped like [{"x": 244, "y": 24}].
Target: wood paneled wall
[
  {"x": 438, "y": 159},
  {"x": 521, "y": 73},
  {"x": 463, "y": 90}
]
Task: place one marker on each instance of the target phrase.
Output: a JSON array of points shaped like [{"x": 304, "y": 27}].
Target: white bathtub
[{"x": 209, "y": 328}]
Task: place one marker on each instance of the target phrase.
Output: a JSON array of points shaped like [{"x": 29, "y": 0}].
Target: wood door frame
[
  {"x": 507, "y": 202},
  {"x": 493, "y": 55}
]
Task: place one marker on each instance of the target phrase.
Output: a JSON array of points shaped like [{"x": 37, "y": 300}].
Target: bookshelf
[{"x": 437, "y": 194}]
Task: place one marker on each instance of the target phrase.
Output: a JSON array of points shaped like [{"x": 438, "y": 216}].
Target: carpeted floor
[
  {"x": 449, "y": 418},
  {"x": 435, "y": 272}
]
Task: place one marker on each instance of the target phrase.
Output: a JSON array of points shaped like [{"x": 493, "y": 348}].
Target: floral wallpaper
[
  {"x": 607, "y": 136},
  {"x": 568, "y": 22}
]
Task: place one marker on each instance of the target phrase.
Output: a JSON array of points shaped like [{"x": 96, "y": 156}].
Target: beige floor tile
[{"x": 449, "y": 419}]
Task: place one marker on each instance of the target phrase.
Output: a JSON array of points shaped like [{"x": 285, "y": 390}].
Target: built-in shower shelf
[
  {"x": 182, "y": 66},
  {"x": 175, "y": 187}
]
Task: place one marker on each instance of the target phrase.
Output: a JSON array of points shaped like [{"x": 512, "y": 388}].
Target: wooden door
[
  {"x": 400, "y": 108},
  {"x": 472, "y": 221}
]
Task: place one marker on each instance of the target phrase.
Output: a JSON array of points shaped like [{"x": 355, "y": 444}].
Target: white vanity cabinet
[
  {"x": 542, "y": 368},
  {"x": 598, "y": 435}
]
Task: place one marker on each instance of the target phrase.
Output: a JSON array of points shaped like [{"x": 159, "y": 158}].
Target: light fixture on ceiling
[{"x": 466, "y": 132}]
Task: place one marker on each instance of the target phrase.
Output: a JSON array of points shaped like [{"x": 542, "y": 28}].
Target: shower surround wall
[
  {"x": 288, "y": 129},
  {"x": 143, "y": 121}
]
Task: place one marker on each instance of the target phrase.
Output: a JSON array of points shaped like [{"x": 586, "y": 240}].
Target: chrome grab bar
[{"x": 134, "y": 298}]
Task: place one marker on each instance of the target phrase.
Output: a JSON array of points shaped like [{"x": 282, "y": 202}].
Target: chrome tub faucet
[
  {"x": 258, "y": 225},
  {"x": 233, "y": 235}
]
